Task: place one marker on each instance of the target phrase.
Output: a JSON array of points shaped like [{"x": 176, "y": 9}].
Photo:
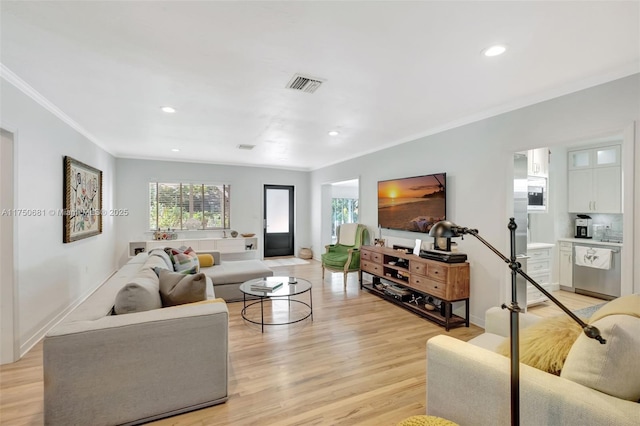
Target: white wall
[
  {"x": 247, "y": 183},
  {"x": 52, "y": 277},
  {"x": 478, "y": 160},
  {"x": 345, "y": 191}
]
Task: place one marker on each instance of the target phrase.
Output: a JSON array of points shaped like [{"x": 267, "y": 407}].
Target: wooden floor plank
[{"x": 360, "y": 361}]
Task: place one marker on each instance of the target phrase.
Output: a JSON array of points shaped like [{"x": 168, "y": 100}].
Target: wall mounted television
[{"x": 412, "y": 203}]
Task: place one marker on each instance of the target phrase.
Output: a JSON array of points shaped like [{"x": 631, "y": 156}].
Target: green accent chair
[{"x": 344, "y": 256}]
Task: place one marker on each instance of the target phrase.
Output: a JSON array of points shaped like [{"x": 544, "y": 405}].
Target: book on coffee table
[{"x": 266, "y": 286}]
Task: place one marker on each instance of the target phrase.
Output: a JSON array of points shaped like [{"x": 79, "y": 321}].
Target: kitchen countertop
[
  {"x": 591, "y": 241},
  {"x": 533, "y": 246}
]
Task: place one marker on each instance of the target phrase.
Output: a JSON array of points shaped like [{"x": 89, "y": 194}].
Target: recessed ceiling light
[
  {"x": 175, "y": 150},
  {"x": 334, "y": 133},
  {"x": 496, "y": 50},
  {"x": 168, "y": 109}
]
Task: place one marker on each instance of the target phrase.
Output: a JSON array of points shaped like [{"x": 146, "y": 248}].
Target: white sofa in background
[
  {"x": 104, "y": 369},
  {"x": 469, "y": 384},
  {"x": 227, "y": 275}
]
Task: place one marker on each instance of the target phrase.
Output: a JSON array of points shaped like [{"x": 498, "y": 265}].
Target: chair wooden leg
[
  {"x": 345, "y": 279},
  {"x": 322, "y": 272}
]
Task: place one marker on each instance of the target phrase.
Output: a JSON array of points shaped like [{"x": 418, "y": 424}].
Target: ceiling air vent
[
  {"x": 247, "y": 147},
  {"x": 304, "y": 83}
]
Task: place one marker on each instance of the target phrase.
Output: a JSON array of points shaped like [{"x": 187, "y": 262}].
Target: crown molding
[{"x": 25, "y": 88}]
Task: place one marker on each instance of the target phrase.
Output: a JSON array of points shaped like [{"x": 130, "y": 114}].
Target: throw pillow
[
  {"x": 627, "y": 305},
  {"x": 161, "y": 253},
  {"x": 612, "y": 368},
  {"x": 140, "y": 294},
  {"x": 184, "y": 259},
  {"x": 545, "y": 344},
  {"x": 177, "y": 288},
  {"x": 205, "y": 260}
]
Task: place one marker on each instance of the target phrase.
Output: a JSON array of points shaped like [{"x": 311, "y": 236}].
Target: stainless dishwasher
[{"x": 600, "y": 283}]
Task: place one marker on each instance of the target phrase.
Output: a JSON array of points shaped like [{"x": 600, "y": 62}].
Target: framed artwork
[{"x": 82, "y": 216}]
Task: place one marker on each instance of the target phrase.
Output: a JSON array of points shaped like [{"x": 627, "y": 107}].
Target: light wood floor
[
  {"x": 573, "y": 301},
  {"x": 361, "y": 361}
]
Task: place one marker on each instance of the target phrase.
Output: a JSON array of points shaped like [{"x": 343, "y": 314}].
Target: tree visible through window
[
  {"x": 188, "y": 206},
  {"x": 343, "y": 210}
]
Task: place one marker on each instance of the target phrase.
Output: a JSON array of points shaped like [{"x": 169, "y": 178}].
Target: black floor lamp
[{"x": 446, "y": 229}]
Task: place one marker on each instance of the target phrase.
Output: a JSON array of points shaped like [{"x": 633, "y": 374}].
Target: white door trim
[{"x": 9, "y": 343}]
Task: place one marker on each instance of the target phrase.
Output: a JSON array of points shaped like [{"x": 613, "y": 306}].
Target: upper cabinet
[
  {"x": 538, "y": 162},
  {"x": 595, "y": 180},
  {"x": 605, "y": 156}
]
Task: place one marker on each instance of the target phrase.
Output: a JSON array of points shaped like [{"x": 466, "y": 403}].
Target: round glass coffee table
[{"x": 289, "y": 286}]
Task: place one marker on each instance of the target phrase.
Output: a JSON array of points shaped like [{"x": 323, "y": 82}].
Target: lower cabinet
[
  {"x": 539, "y": 268},
  {"x": 425, "y": 287},
  {"x": 565, "y": 270},
  {"x": 238, "y": 245}
]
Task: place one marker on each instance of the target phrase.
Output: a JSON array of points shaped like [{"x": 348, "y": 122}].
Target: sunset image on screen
[{"x": 412, "y": 204}]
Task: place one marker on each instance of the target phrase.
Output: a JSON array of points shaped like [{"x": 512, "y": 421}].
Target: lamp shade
[{"x": 444, "y": 229}]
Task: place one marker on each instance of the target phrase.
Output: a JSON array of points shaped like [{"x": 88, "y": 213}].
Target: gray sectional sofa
[
  {"x": 228, "y": 275},
  {"x": 104, "y": 369}
]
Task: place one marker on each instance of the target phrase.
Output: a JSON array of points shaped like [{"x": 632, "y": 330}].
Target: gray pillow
[
  {"x": 163, "y": 255},
  {"x": 140, "y": 294},
  {"x": 177, "y": 288}
]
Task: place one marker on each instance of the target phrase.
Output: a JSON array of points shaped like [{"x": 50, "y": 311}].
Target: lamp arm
[{"x": 591, "y": 331}]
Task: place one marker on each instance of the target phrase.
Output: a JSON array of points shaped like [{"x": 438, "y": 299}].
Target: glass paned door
[{"x": 278, "y": 220}]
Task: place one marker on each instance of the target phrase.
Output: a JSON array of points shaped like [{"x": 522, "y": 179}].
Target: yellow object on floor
[{"x": 426, "y": 421}]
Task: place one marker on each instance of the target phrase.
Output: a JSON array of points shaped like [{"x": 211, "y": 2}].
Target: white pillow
[{"x": 612, "y": 368}]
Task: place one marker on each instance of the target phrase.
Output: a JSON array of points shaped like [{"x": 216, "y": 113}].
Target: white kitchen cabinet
[
  {"x": 565, "y": 271},
  {"x": 602, "y": 156},
  {"x": 595, "y": 180},
  {"x": 538, "y": 162},
  {"x": 539, "y": 268}
]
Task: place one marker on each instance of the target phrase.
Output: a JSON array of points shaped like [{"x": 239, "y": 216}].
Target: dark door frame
[{"x": 281, "y": 243}]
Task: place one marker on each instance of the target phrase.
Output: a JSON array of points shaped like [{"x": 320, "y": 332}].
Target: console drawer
[
  {"x": 371, "y": 267},
  {"x": 417, "y": 267},
  {"x": 428, "y": 286},
  {"x": 437, "y": 272}
]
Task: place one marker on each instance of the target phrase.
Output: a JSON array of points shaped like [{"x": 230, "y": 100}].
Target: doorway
[
  {"x": 8, "y": 294},
  {"x": 555, "y": 222},
  {"x": 340, "y": 204},
  {"x": 344, "y": 205},
  {"x": 278, "y": 220}
]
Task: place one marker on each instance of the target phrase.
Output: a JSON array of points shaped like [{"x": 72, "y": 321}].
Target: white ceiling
[{"x": 394, "y": 70}]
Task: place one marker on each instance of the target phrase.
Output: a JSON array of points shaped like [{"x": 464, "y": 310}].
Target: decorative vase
[{"x": 305, "y": 253}]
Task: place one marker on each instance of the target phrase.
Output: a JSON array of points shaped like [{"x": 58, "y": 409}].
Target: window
[
  {"x": 188, "y": 206},
  {"x": 343, "y": 210}
]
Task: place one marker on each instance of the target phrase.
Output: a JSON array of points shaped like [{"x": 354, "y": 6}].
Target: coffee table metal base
[{"x": 261, "y": 323}]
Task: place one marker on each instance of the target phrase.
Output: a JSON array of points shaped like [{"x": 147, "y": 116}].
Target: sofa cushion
[
  {"x": 140, "y": 294},
  {"x": 184, "y": 259},
  {"x": 627, "y": 305},
  {"x": 177, "y": 288},
  {"x": 545, "y": 344},
  {"x": 162, "y": 254},
  {"x": 488, "y": 341},
  {"x": 237, "y": 271},
  {"x": 153, "y": 262},
  {"x": 205, "y": 260},
  {"x": 612, "y": 368}
]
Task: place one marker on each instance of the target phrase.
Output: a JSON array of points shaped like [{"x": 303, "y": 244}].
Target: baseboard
[{"x": 39, "y": 335}]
